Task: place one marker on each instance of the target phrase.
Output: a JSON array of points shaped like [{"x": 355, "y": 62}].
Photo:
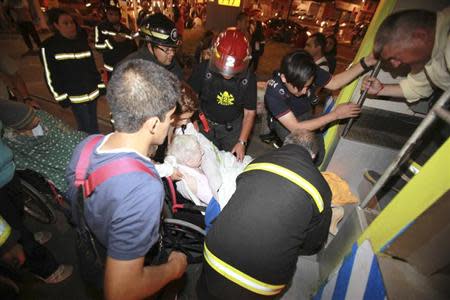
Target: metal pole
[
  {"x": 407, "y": 147},
  {"x": 362, "y": 98}
]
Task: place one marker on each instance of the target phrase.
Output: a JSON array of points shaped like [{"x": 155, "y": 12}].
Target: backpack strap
[
  {"x": 84, "y": 159},
  {"x": 113, "y": 168},
  {"x": 103, "y": 173}
]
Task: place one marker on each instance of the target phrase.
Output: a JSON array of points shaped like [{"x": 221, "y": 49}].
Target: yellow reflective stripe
[
  {"x": 62, "y": 97},
  {"x": 109, "y": 32},
  {"x": 5, "y": 231},
  {"x": 96, "y": 34},
  {"x": 85, "y": 97},
  {"x": 101, "y": 86},
  {"x": 49, "y": 80},
  {"x": 101, "y": 46},
  {"x": 155, "y": 34},
  {"x": 108, "y": 67},
  {"x": 79, "y": 55},
  {"x": 128, "y": 36},
  {"x": 414, "y": 167},
  {"x": 239, "y": 277},
  {"x": 291, "y": 176},
  {"x": 108, "y": 44}
]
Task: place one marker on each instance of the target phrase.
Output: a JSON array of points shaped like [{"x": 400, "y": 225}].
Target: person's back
[{"x": 268, "y": 222}]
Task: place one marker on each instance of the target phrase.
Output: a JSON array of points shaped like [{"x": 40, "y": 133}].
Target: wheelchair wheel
[
  {"x": 185, "y": 237},
  {"x": 36, "y": 204}
]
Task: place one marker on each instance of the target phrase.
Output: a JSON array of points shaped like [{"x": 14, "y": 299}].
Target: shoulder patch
[{"x": 272, "y": 83}]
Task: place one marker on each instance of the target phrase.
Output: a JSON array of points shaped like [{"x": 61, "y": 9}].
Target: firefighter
[
  {"x": 161, "y": 43},
  {"x": 227, "y": 90},
  {"x": 113, "y": 39},
  {"x": 70, "y": 71},
  {"x": 280, "y": 210}
]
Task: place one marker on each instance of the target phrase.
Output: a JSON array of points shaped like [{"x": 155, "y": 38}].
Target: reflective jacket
[
  {"x": 113, "y": 52},
  {"x": 70, "y": 70},
  {"x": 8, "y": 236}
]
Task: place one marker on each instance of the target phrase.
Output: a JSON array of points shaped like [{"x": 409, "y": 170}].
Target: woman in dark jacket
[{"x": 70, "y": 71}]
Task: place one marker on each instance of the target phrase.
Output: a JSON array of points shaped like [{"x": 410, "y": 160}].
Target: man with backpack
[
  {"x": 227, "y": 91},
  {"x": 122, "y": 193}
]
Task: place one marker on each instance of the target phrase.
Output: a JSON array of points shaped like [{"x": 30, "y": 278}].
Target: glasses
[{"x": 168, "y": 50}]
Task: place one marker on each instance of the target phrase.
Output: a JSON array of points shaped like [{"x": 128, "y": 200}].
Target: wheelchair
[
  {"x": 38, "y": 195},
  {"x": 183, "y": 225}
]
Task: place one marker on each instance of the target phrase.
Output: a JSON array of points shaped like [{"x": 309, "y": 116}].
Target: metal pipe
[
  {"x": 362, "y": 98},
  {"x": 407, "y": 148},
  {"x": 442, "y": 113}
]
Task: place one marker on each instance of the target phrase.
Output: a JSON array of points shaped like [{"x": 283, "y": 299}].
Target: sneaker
[
  {"x": 61, "y": 274},
  {"x": 42, "y": 237}
]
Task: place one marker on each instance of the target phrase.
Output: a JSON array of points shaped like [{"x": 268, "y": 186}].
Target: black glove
[{"x": 64, "y": 103}]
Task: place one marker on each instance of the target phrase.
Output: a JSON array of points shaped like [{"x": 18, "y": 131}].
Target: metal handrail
[
  {"x": 436, "y": 112},
  {"x": 362, "y": 97}
]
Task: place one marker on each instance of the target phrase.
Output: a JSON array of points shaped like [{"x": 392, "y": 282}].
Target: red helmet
[{"x": 230, "y": 53}]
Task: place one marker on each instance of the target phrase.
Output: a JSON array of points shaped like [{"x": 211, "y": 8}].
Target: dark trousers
[
  {"x": 27, "y": 30},
  {"x": 223, "y": 136},
  {"x": 86, "y": 116},
  {"x": 39, "y": 260}
]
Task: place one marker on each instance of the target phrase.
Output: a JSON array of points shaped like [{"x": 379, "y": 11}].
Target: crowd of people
[{"x": 280, "y": 205}]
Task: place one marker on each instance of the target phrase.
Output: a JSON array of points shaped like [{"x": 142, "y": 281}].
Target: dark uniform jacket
[
  {"x": 280, "y": 101},
  {"x": 143, "y": 53},
  {"x": 223, "y": 100},
  {"x": 70, "y": 70},
  {"x": 113, "y": 52},
  {"x": 270, "y": 221}
]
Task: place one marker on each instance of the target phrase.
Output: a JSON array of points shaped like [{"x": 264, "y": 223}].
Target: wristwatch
[
  {"x": 243, "y": 143},
  {"x": 365, "y": 67}
]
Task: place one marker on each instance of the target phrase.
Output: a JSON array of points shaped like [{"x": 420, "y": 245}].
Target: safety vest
[{"x": 240, "y": 278}]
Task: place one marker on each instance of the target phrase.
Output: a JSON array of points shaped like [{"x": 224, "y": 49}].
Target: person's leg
[
  {"x": 83, "y": 113},
  {"x": 24, "y": 32},
  {"x": 93, "y": 121}
]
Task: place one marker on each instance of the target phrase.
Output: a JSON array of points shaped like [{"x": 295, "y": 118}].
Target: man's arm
[
  {"x": 247, "y": 125},
  {"x": 129, "y": 279},
  {"x": 342, "y": 111},
  {"x": 344, "y": 78}
]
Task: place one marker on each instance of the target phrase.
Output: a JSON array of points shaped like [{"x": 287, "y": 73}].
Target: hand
[
  {"x": 370, "y": 60},
  {"x": 374, "y": 85},
  {"x": 349, "y": 110},
  {"x": 238, "y": 151},
  {"x": 178, "y": 262},
  {"x": 176, "y": 175},
  {"x": 14, "y": 257}
]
